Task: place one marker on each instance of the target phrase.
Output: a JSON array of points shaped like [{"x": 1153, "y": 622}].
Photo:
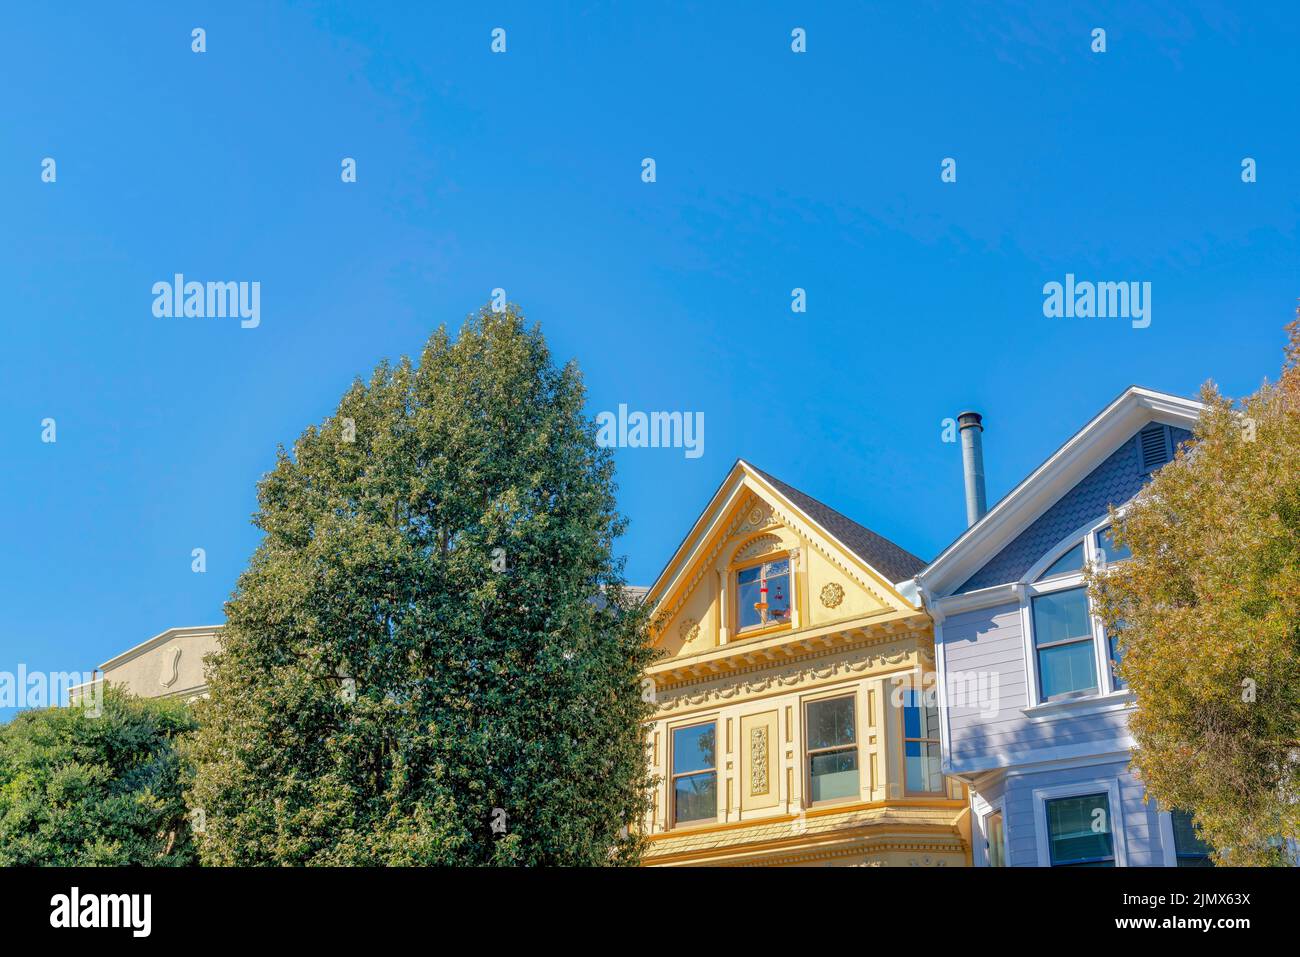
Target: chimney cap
[{"x": 970, "y": 418}]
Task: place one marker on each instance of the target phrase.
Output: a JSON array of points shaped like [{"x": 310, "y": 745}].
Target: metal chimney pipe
[{"x": 972, "y": 465}]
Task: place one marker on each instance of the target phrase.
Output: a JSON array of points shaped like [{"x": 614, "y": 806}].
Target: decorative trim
[
  {"x": 170, "y": 672},
  {"x": 832, "y": 594},
  {"x": 689, "y": 630},
  {"x": 761, "y": 545},
  {"x": 758, "y": 783},
  {"x": 788, "y": 677},
  {"x": 704, "y": 563},
  {"x": 159, "y": 639}
]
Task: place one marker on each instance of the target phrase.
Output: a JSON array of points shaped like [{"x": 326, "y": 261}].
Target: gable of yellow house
[{"x": 792, "y": 724}]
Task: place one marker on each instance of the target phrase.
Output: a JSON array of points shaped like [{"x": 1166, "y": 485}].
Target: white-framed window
[
  {"x": 1080, "y": 825},
  {"x": 1070, "y": 654}
]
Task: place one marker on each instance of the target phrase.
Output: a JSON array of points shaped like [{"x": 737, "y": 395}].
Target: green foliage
[
  {"x": 1211, "y": 608},
  {"x": 79, "y": 791},
  {"x": 383, "y": 687}
]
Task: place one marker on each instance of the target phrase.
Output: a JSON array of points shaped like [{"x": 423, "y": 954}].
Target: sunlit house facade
[
  {"x": 1033, "y": 716},
  {"x": 790, "y": 723}
]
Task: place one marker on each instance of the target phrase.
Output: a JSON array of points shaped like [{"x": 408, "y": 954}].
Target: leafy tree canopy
[
  {"x": 414, "y": 670},
  {"x": 80, "y": 790},
  {"x": 1210, "y": 611}
]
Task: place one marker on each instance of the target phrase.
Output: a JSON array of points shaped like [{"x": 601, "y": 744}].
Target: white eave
[{"x": 159, "y": 639}]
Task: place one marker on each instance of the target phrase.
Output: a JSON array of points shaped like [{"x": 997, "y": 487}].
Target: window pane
[
  {"x": 920, "y": 715},
  {"x": 1061, "y": 615},
  {"x": 696, "y": 797},
  {"x": 1191, "y": 850},
  {"x": 833, "y": 775},
  {"x": 922, "y": 759},
  {"x": 996, "y": 839},
  {"x": 747, "y": 590},
  {"x": 778, "y": 591},
  {"x": 830, "y": 723},
  {"x": 1110, "y": 552},
  {"x": 693, "y": 749},
  {"x": 1071, "y": 561},
  {"x": 1112, "y": 642},
  {"x": 1079, "y": 831},
  {"x": 1067, "y": 669}
]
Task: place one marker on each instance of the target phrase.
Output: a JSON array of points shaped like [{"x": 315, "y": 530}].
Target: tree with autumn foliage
[
  {"x": 429, "y": 659},
  {"x": 1209, "y": 612}
]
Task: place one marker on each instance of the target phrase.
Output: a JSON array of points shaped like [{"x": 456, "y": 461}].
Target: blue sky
[{"x": 522, "y": 170}]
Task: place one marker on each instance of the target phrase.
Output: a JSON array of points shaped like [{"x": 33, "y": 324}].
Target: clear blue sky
[{"x": 522, "y": 170}]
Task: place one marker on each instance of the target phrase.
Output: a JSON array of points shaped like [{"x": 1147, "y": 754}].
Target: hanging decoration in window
[{"x": 764, "y": 594}]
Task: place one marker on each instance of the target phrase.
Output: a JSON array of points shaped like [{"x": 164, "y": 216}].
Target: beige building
[{"x": 168, "y": 665}]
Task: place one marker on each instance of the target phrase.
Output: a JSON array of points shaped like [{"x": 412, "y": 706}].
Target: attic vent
[{"x": 1153, "y": 441}]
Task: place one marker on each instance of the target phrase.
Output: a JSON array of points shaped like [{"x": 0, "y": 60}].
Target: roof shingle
[{"x": 892, "y": 561}]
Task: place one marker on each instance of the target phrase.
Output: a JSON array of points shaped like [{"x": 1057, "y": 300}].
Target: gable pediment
[{"x": 753, "y": 566}]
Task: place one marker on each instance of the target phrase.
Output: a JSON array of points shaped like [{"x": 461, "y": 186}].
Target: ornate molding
[
  {"x": 171, "y": 671},
  {"x": 811, "y": 667},
  {"x": 836, "y": 561},
  {"x": 758, "y": 546},
  {"x": 758, "y": 783},
  {"x": 832, "y": 594},
  {"x": 689, "y": 630},
  {"x": 738, "y": 526}
]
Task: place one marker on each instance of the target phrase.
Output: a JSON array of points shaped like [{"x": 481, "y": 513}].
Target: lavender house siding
[
  {"x": 1137, "y": 823},
  {"x": 985, "y": 650},
  {"x": 1014, "y": 754},
  {"x": 1113, "y": 482}
]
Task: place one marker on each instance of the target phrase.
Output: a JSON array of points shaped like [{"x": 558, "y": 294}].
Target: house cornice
[{"x": 159, "y": 639}]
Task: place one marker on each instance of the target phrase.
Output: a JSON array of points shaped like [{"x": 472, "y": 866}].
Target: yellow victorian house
[{"x": 792, "y": 722}]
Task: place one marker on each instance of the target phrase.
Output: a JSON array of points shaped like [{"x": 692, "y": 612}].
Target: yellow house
[{"x": 792, "y": 724}]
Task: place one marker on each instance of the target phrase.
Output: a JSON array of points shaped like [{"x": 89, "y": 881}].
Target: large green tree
[
  {"x": 79, "y": 789},
  {"x": 1209, "y": 608},
  {"x": 430, "y": 658}
]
